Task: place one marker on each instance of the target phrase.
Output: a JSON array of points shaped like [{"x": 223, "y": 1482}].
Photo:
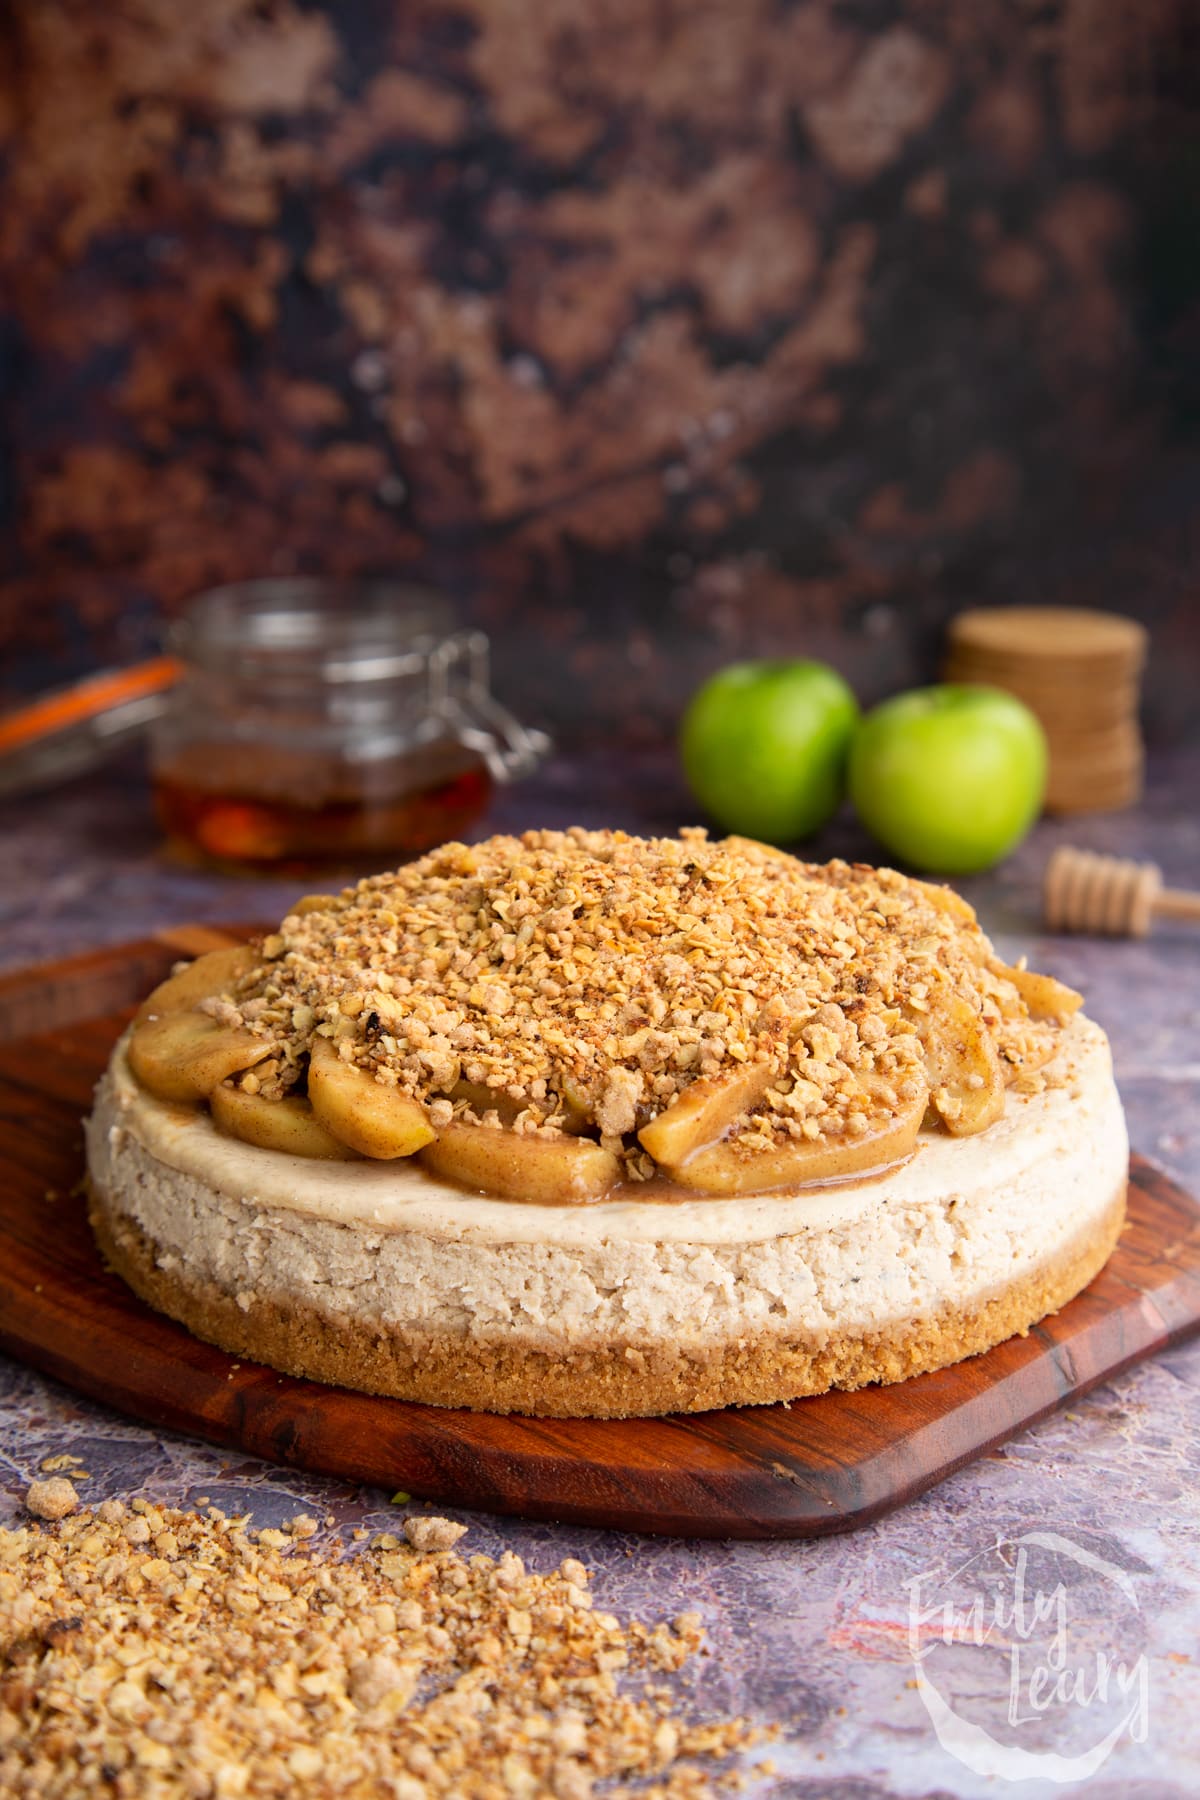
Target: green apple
[
  {"x": 764, "y": 747},
  {"x": 950, "y": 778}
]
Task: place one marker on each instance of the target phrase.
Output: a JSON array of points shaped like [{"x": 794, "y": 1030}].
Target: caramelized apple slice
[
  {"x": 484, "y": 1099},
  {"x": 943, "y": 899},
  {"x": 289, "y": 1125},
  {"x": 1045, "y": 997},
  {"x": 733, "y": 1168},
  {"x": 966, "y": 1079},
  {"x": 184, "y": 1055},
  {"x": 481, "y": 1099},
  {"x": 576, "y": 1106},
  {"x": 756, "y": 847},
  {"x": 214, "y": 973},
  {"x": 520, "y": 1167},
  {"x": 703, "y": 1113},
  {"x": 376, "y": 1120},
  {"x": 308, "y": 903}
]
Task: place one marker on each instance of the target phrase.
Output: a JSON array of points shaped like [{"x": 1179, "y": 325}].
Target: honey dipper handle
[
  {"x": 1109, "y": 896},
  {"x": 1174, "y": 903}
]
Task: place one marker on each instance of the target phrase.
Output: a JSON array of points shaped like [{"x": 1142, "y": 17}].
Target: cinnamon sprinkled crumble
[{"x": 567, "y": 981}]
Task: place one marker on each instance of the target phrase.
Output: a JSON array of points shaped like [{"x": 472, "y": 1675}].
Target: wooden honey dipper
[{"x": 1110, "y": 896}]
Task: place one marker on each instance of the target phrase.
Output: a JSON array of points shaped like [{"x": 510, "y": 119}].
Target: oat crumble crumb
[
  {"x": 531, "y": 981},
  {"x": 238, "y": 1667},
  {"x": 433, "y": 1534},
  {"x": 51, "y": 1499}
]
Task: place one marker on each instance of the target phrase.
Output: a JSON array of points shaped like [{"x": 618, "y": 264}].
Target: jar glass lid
[{"x": 332, "y": 630}]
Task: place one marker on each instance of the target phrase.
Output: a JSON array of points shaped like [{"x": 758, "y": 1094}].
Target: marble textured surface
[{"x": 816, "y": 1636}]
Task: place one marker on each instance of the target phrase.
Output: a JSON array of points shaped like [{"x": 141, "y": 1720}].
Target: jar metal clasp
[{"x": 460, "y": 696}]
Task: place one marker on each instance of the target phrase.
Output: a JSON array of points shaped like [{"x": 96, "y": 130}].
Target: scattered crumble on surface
[
  {"x": 433, "y": 1534},
  {"x": 52, "y": 1499},
  {"x": 63, "y": 1463},
  {"x": 532, "y": 981},
  {"x": 168, "y": 1655}
]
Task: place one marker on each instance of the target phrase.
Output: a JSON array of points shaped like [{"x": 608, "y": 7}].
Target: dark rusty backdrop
[{"x": 661, "y": 331}]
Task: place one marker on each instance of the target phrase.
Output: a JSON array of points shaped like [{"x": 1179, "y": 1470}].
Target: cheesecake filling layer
[{"x": 387, "y": 1244}]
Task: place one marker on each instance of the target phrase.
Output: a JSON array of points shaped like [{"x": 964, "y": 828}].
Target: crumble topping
[{"x": 573, "y": 980}]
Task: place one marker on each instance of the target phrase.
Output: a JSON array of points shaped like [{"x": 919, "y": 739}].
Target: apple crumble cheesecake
[{"x": 587, "y": 1124}]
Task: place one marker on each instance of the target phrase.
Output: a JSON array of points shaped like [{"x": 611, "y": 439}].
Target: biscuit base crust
[{"x": 599, "y": 1380}]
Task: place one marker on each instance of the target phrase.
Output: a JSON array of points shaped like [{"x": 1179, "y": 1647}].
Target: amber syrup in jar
[
  {"x": 332, "y": 724},
  {"x": 216, "y": 821}
]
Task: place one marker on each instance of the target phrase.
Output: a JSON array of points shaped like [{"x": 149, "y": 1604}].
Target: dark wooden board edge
[
  {"x": 50, "y": 996},
  {"x": 769, "y": 1472}
]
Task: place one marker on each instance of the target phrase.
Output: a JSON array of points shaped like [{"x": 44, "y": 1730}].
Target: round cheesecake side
[{"x": 383, "y": 1279}]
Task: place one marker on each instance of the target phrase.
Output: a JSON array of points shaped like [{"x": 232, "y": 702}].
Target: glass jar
[{"x": 325, "y": 722}]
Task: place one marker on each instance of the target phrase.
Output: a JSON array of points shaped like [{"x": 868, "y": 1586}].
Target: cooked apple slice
[
  {"x": 703, "y": 1113},
  {"x": 966, "y": 1079},
  {"x": 481, "y": 1099},
  {"x": 214, "y": 973},
  {"x": 576, "y": 1106},
  {"x": 1045, "y": 997},
  {"x": 520, "y": 1167},
  {"x": 943, "y": 899},
  {"x": 185, "y": 1055},
  {"x": 378, "y": 1121},
  {"x": 733, "y": 1168},
  {"x": 308, "y": 903},
  {"x": 756, "y": 847},
  {"x": 289, "y": 1124}
]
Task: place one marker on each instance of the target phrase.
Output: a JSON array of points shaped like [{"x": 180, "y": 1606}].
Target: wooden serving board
[{"x": 820, "y": 1465}]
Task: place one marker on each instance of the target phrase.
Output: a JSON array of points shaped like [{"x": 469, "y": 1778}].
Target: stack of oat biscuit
[{"x": 1080, "y": 672}]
